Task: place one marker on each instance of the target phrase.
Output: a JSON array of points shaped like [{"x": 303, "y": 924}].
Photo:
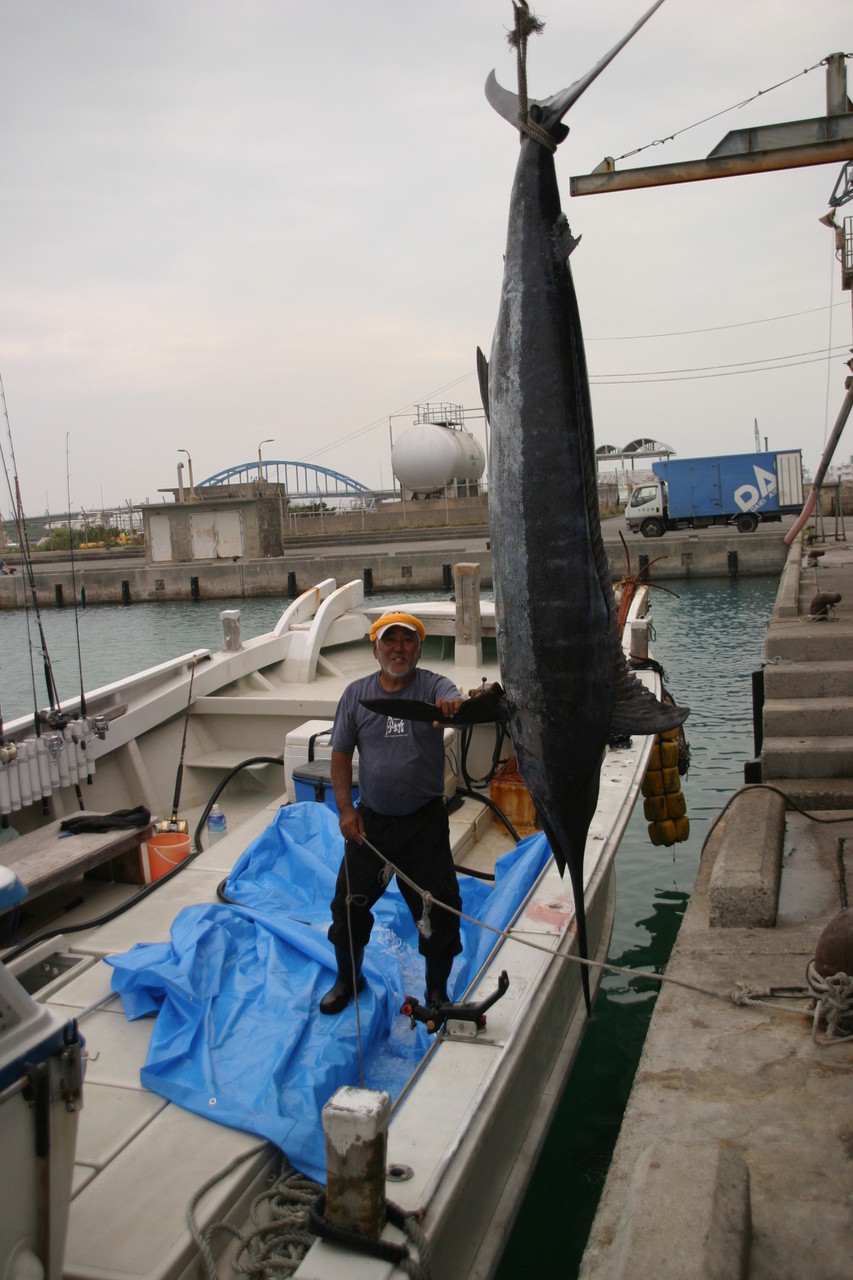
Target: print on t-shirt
[{"x": 396, "y": 728}]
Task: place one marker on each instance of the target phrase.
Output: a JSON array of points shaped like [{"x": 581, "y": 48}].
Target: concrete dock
[
  {"x": 735, "y": 1156},
  {"x": 404, "y": 560}
]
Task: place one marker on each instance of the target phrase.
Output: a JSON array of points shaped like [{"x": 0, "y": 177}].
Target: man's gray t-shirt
[{"x": 400, "y": 762}]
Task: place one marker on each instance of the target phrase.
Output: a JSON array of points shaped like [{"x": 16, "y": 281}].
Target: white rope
[
  {"x": 419, "y": 1268},
  {"x": 202, "y": 1240},
  {"x": 741, "y": 995},
  {"x": 271, "y": 1249},
  {"x": 349, "y": 902},
  {"x": 833, "y": 1004},
  {"x": 424, "y": 924}
]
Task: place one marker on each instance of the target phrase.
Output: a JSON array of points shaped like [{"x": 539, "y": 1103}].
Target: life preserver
[{"x": 664, "y": 806}]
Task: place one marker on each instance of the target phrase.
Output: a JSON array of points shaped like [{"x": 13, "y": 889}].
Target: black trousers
[{"x": 419, "y": 844}]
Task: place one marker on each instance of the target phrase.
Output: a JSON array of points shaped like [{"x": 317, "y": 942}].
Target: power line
[
  {"x": 383, "y": 422},
  {"x": 740, "y": 324},
  {"x": 722, "y": 371},
  {"x": 615, "y": 379},
  {"x": 733, "y": 364}
]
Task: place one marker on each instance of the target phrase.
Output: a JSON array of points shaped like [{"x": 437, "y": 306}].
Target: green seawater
[{"x": 709, "y": 641}]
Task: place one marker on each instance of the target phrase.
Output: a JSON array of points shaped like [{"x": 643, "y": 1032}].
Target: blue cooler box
[{"x": 313, "y": 781}]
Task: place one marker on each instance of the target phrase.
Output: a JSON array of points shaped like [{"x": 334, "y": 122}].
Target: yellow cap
[{"x": 381, "y": 625}]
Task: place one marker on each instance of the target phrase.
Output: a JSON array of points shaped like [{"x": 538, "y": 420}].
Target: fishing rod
[
  {"x": 26, "y": 559},
  {"x": 175, "y": 823},
  {"x": 74, "y": 578}
]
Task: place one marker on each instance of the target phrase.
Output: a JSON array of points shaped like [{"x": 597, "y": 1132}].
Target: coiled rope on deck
[{"x": 275, "y": 1246}]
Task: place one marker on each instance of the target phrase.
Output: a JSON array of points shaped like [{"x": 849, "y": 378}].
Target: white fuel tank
[{"x": 430, "y": 455}]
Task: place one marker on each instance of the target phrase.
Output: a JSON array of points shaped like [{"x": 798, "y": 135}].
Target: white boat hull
[{"x": 471, "y": 1122}]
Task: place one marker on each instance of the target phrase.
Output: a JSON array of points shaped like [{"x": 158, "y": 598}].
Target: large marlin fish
[{"x": 568, "y": 687}]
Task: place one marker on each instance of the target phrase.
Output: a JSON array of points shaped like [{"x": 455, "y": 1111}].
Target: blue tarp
[{"x": 238, "y": 1036}]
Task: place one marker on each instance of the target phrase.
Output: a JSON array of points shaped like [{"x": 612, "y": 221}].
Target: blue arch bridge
[{"x": 300, "y": 480}]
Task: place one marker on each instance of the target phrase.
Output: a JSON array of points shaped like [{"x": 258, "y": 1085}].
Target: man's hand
[
  {"x": 447, "y": 707},
  {"x": 351, "y": 824}
]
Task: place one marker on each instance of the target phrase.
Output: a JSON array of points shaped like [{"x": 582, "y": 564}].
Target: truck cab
[{"x": 646, "y": 509}]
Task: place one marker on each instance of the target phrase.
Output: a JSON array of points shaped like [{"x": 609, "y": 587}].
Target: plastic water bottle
[{"x": 216, "y": 824}]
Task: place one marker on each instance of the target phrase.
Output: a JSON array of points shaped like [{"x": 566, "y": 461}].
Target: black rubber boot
[
  {"x": 338, "y": 996},
  {"x": 437, "y": 973}
]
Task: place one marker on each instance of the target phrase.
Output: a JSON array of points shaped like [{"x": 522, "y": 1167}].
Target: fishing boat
[{"x": 469, "y": 1105}]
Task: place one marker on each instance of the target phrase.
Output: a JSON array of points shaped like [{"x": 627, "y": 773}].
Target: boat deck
[{"x": 137, "y": 1153}]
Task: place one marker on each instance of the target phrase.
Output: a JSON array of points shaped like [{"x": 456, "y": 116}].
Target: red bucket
[{"x": 162, "y": 852}]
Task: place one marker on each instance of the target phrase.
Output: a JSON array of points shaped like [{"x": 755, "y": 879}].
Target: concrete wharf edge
[
  {"x": 414, "y": 562},
  {"x": 735, "y": 1155}
]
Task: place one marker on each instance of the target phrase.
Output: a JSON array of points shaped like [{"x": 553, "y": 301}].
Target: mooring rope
[
  {"x": 741, "y": 995},
  {"x": 417, "y": 1265},
  {"x": 349, "y": 900},
  {"x": 833, "y": 1003},
  {"x": 272, "y": 1248}
]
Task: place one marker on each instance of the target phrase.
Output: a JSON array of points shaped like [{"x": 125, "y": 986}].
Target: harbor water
[{"x": 709, "y": 640}]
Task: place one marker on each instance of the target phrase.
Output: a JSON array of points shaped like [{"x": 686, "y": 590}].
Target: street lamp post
[
  {"x": 269, "y": 440},
  {"x": 190, "y": 466}
]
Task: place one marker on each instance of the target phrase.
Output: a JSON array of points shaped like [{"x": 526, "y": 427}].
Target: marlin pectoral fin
[
  {"x": 637, "y": 710},
  {"x": 483, "y": 379},
  {"x": 485, "y": 708}
]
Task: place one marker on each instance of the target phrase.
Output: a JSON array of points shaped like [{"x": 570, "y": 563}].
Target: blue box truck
[{"x": 740, "y": 489}]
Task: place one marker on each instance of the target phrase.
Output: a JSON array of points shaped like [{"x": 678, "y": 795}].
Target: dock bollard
[
  {"x": 355, "y": 1122},
  {"x": 468, "y": 630},
  {"x": 639, "y": 640},
  {"x": 230, "y": 620}
]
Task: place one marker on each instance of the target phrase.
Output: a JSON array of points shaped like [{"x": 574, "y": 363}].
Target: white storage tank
[{"x": 431, "y": 455}]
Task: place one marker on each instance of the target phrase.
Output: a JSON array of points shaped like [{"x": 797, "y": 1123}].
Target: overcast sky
[{"x": 228, "y": 220}]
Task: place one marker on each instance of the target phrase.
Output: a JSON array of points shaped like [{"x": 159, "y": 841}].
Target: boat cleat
[{"x": 463, "y": 1019}]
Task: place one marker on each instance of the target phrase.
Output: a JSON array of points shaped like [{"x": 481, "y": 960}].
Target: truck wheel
[
  {"x": 652, "y": 529},
  {"x": 747, "y": 524}
]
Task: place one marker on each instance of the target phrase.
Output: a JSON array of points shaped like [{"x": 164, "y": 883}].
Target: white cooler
[{"x": 310, "y": 741}]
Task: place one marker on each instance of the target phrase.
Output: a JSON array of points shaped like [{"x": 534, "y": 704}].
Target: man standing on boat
[{"x": 401, "y": 810}]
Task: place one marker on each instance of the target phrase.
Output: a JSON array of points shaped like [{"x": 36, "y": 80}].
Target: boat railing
[{"x": 336, "y": 621}]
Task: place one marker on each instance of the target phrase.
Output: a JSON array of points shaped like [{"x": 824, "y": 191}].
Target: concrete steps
[
  {"x": 808, "y": 685},
  {"x": 817, "y": 793},
  {"x": 807, "y": 757},
  {"x": 809, "y": 641},
  {"x": 819, "y": 717},
  {"x": 824, "y": 679}
]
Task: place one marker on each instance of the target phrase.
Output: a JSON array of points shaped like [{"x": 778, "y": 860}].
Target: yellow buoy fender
[{"x": 664, "y": 806}]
